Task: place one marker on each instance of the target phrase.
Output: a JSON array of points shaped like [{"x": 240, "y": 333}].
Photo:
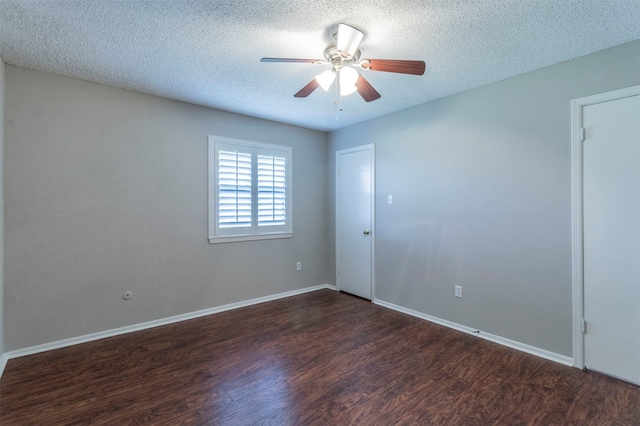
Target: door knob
[{"x": 366, "y": 232}]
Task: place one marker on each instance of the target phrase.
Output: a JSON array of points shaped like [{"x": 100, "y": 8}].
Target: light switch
[{"x": 389, "y": 199}]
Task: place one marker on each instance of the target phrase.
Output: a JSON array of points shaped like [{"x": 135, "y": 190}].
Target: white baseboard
[
  {"x": 151, "y": 324},
  {"x": 552, "y": 356},
  {"x": 3, "y": 363}
]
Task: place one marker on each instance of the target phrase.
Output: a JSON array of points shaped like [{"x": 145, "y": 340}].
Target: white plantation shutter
[
  {"x": 249, "y": 190},
  {"x": 234, "y": 189},
  {"x": 272, "y": 187}
]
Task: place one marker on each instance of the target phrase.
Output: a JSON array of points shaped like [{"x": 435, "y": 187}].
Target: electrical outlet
[
  {"x": 459, "y": 291},
  {"x": 299, "y": 266}
]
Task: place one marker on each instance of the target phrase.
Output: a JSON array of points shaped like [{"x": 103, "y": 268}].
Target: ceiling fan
[{"x": 344, "y": 57}]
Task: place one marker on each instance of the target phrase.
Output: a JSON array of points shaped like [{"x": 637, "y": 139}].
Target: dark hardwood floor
[{"x": 320, "y": 358}]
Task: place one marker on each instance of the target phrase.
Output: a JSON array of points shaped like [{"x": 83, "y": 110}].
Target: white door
[
  {"x": 354, "y": 220},
  {"x": 611, "y": 237}
]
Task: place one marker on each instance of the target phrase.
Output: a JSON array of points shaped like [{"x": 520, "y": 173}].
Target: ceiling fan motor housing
[{"x": 336, "y": 59}]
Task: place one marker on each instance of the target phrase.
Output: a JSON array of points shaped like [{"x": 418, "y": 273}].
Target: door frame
[
  {"x": 577, "y": 253},
  {"x": 371, "y": 148}
]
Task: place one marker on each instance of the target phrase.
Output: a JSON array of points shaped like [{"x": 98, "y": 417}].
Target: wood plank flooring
[{"x": 321, "y": 358}]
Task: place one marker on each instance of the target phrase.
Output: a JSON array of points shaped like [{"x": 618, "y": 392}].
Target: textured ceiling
[{"x": 208, "y": 52}]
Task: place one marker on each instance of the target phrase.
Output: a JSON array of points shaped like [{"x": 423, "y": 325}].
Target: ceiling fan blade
[
  {"x": 308, "y": 89},
  {"x": 348, "y": 39},
  {"x": 393, "y": 65},
  {"x": 301, "y": 61},
  {"x": 366, "y": 90}
]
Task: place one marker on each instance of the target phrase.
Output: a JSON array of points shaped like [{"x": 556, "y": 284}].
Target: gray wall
[
  {"x": 1, "y": 207},
  {"x": 482, "y": 198},
  {"x": 106, "y": 191}
]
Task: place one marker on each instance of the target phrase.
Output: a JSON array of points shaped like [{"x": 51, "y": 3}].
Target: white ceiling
[{"x": 208, "y": 52}]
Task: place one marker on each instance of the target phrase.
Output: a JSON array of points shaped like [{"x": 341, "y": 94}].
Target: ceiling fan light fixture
[
  {"x": 326, "y": 79},
  {"x": 348, "y": 40},
  {"x": 348, "y": 78}
]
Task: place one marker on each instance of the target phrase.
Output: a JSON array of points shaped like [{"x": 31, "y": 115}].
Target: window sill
[{"x": 219, "y": 240}]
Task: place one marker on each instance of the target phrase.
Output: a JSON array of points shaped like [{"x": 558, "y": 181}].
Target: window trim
[{"x": 212, "y": 175}]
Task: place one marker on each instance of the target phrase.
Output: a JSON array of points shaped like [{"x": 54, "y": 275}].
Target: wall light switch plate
[
  {"x": 389, "y": 199},
  {"x": 459, "y": 291}
]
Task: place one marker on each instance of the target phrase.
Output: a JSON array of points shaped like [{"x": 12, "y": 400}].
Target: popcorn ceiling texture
[{"x": 208, "y": 53}]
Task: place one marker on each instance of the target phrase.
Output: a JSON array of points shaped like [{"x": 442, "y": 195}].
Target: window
[{"x": 249, "y": 190}]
